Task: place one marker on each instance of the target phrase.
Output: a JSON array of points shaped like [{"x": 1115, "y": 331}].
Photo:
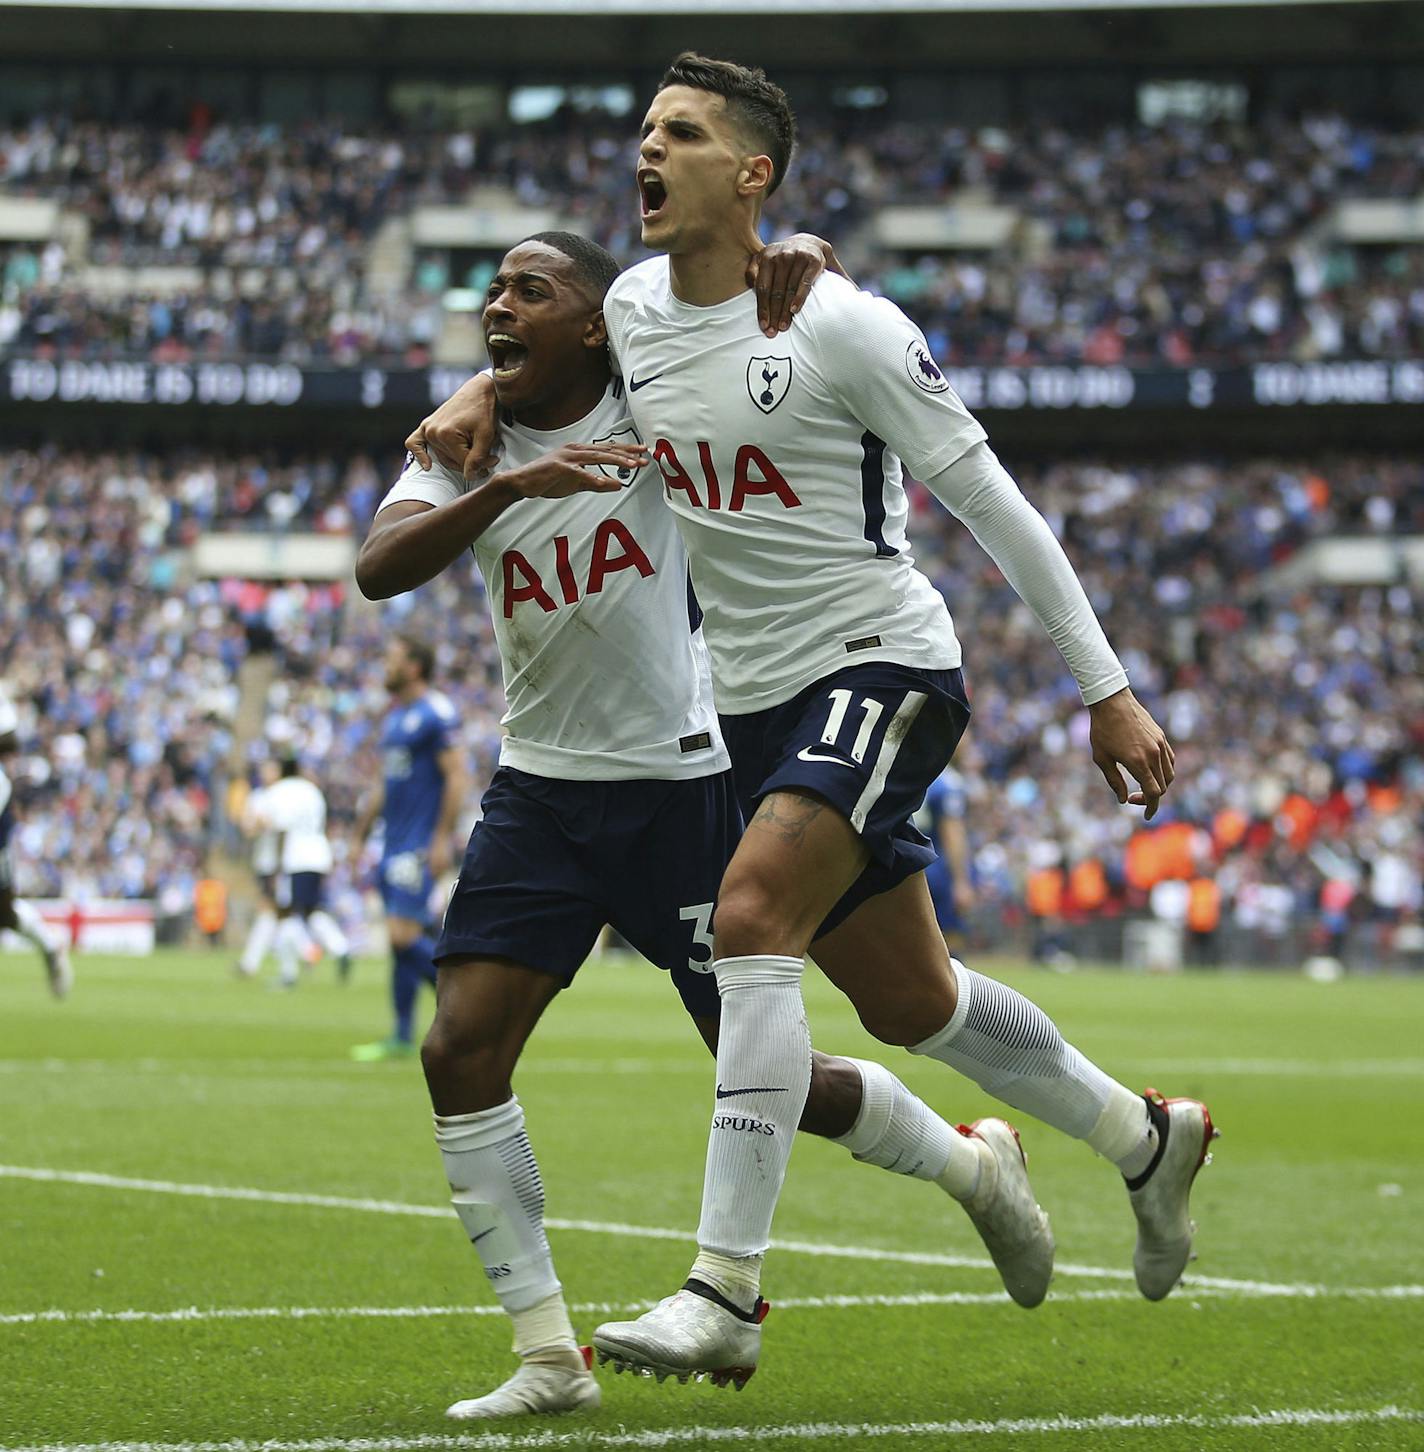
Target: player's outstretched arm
[
  {"x": 980, "y": 491},
  {"x": 414, "y": 538},
  {"x": 879, "y": 366},
  {"x": 463, "y": 432},
  {"x": 782, "y": 274}
]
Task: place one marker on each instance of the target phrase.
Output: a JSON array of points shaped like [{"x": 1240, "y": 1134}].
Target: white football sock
[
  {"x": 292, "y": 942},
  {"x": 327, "y": 931},
  {"x": 899, "y": 1132},
  {"x": 1014, "y": 1051},
  {"x": 259, "y": 940},
  {"x": 544, "y": 1334},
  {"x": 499, "y": 1197},
  {"x": 31, "y": 926},
  {"x": 763, "y": 1077}
]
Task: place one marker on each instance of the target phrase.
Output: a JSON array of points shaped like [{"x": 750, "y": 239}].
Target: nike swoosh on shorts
[{"x": 806, "y": 754}]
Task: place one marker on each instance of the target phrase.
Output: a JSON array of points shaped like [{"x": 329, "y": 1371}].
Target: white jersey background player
[
  {"x": 16, "y": 915},
  {"x": 835, "y": 668},
  {"x": 294, "y": 809},
  {"x": 612, "y": 802},
  {"x": 263, "y": 846}
]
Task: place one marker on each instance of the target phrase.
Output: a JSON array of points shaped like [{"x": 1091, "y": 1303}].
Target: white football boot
[
  {"x": 60, "y": 971},
  {"x": 691, "y": 1336},
  {"x": 1013, "y": 1227},
  {"x": 1164, "y": 1227},
  {"x": 535, "y": 1388}
]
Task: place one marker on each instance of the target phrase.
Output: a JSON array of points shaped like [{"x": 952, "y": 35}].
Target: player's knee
[
  {"x": 907, "y": 1018},
  {"x": 465, "y": 1062},
  {"x": 752, "y": 917}
]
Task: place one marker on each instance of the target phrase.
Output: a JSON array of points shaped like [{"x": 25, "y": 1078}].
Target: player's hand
[
  {"x": 1125, "y": 735},
  {"x": 782, "y": 275},
  {"x": 440, "y": 856},
  {"x": 964, "y": 897},
  {"x": 573, "y": 469},
  {"x": 462, "y": 432}
]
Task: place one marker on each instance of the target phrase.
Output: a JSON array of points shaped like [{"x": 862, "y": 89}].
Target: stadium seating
[
  {"x": 1298, "y": 717},
  {"x": 1171, "y": 245}
]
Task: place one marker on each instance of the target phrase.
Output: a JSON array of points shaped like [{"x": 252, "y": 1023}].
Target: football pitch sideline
[{"x": 217, "y": 1231}]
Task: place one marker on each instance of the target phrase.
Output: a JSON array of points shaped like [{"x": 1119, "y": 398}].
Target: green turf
[{"x": 170, "y": 1070}]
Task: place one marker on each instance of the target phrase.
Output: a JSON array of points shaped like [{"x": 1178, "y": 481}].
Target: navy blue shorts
[
  {"x": 940, "y": 881},
  {"x": 552, "y": 861},
  {"x": 869, "y": 740},
  {"x": 299, "y": 893}
]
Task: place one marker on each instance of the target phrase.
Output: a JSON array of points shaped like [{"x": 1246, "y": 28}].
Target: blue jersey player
[
  {"x": 941, "y": 819},
  {"x": 423, "y": 784}
]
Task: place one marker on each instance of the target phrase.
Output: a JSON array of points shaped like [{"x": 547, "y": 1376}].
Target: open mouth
[
  {"x": 507, "y": 355},
  {"x": 653, "y": 193}
]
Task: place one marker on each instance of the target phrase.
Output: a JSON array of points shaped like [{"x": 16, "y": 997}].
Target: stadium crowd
[
  {"x": 1175, "y": 244},
  {"x": 1298, "y": 719}
]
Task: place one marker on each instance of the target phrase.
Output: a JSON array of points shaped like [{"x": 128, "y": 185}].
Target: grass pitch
[{"x": 141, "y": 1302}]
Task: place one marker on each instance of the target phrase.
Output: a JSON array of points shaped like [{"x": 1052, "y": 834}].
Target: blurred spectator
[{"x": 1169, "y": 245}]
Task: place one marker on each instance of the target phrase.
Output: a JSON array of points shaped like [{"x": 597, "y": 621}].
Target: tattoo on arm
[{"x": 788, "y": 814}]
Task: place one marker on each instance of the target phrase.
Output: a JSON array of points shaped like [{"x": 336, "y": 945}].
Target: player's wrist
[{"x": 1119, "y": 698}]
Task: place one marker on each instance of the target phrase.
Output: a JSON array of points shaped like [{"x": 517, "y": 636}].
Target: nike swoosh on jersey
[
  {"x": 634, "y": 384},
  {"x": 806, "y": 754},
  {"x": 732, "y": 1093}
]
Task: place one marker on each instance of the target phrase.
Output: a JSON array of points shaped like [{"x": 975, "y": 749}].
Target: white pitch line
[
  {"x": 636, "y": 1232},
  {"x": 792, "y": 1432},
  {"x": 188, "y": 1314},
  {"x": 691, "y": 1064}
]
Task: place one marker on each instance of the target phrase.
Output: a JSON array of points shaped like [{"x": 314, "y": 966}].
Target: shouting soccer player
[
  {"x": 836, "y": 672},
  {"x": 422, "y": 788},
  {"x": 613, "y": 801}
]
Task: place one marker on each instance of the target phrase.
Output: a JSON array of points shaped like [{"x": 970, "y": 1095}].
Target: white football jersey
[
  {"x": 604, "y": 676},
  {"x": 9, "y": 721},
  {"x": 781, "y": 460},
  {"x": 264, "y": 840},
  {"x": 296, "y": 808}
]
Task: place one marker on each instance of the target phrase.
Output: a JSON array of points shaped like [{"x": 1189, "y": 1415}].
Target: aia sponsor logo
[
  {"x": 752, "y": 473},
  {"x": 614, "y": 549}
]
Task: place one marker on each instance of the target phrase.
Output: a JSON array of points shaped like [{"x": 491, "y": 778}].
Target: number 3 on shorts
[{"x": 700, "y": 916}]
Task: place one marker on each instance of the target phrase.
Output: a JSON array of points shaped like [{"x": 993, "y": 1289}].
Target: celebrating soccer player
[
  {"x": 613, "y": 801},
  {"x": 836, "y": 671}
]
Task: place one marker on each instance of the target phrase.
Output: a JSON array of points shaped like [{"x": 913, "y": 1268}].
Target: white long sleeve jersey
[{"x": 781, "y": 459}]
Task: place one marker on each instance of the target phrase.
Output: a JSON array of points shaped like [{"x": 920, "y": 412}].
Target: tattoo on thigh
[{"x": 787, "y": 814}]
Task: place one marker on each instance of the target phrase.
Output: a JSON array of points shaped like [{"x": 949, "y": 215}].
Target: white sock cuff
[
  {"x": 1121, "y": 1126},
  {"x": 542, "y": 1325},
  {"x": 480, "y": 1130},
  {"x": 877, "y": 1101},
  {"x": 963, "y": 992},
  {"x": 761, "y": 971}
]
